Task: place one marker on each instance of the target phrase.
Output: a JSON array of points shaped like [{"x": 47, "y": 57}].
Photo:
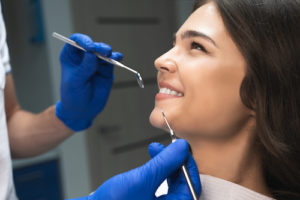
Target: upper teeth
[{"x": 171, "y": 92}]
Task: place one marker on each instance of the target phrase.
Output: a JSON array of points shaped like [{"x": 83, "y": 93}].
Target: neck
[{"x": 235, "y": 160}]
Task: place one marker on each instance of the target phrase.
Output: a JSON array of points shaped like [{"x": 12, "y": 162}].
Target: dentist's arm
[
  {"x": 31, "y": 134},
  {"x": 85, "y": 85}
]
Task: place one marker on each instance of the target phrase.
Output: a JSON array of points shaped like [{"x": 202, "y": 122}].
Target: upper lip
[{"x": 167, "y": 85}]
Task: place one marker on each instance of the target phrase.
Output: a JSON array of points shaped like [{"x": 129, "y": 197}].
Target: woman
[{"x": 230, "y": 86}]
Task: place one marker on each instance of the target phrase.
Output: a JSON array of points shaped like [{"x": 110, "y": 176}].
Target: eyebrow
[{"x": 191, "y": 33}]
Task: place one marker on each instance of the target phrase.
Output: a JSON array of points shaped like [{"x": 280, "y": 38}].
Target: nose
[{"x": 166, "y": 63}]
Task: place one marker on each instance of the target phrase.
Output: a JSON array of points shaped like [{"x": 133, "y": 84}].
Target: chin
[{"x": 156, "y": 119}]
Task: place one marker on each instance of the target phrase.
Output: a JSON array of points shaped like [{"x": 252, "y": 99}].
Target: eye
[{"x": 197, "y": 46}]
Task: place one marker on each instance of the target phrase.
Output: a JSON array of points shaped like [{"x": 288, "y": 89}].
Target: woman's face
[{"x": 199, "y": 80}]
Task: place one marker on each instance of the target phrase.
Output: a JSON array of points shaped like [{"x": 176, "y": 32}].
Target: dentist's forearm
[{"x": 33, "y": 134}]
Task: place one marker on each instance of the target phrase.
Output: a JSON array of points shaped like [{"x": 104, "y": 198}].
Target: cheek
[{"x": 212, "y": 104}]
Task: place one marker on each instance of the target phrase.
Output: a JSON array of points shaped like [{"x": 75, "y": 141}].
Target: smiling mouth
[{"x": 170, "y": 92}]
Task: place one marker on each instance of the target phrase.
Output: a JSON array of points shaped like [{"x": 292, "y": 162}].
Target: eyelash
[{"x": 195, "y": 45}]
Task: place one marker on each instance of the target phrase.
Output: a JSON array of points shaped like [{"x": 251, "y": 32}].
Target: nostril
[{"x": 164, "y": 68}]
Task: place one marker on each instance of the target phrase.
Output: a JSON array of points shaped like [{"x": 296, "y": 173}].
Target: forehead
[{"x": 206, "y": 19}]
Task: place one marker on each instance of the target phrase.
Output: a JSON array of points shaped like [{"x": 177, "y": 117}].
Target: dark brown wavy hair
[{"x": 267, "y": 32}]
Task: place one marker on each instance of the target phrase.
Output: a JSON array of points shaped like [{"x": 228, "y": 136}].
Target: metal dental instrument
[
  {"x": 114, "y": 62},
  {"x": 183, "y": 167}
]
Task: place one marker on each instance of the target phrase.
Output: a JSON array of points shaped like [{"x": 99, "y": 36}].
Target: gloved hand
[
  {"x": 141, "y": 183},
  {"x": 85, "y": 82},
  {"x": 178, "y": 188}
]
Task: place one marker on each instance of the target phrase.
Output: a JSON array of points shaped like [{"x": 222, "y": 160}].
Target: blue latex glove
[
  {"x": 178, "y": 188},
  {"x": 141, "y": 183},
  {"x": 86, "y": 82}
]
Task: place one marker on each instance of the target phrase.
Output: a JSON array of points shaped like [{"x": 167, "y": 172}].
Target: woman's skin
[{"x": 206, "y": 69}]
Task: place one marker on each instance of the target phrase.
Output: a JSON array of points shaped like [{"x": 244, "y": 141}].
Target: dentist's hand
[
  {"x": 85, "y": 82},
  {"x": 141, "y": 183},
  {"x": 178, "y": 188}
]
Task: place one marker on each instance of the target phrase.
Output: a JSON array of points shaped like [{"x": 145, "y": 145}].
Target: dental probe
[
  {"x": 183, "y": 167},
  {"x": 111, "y": 61}
]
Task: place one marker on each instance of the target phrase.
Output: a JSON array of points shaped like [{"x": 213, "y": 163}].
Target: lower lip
[{"x": 160, "y": 96}]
